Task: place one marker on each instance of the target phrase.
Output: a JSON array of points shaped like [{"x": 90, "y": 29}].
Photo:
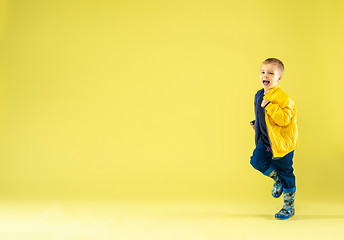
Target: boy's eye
[
  {"x": 262, "y": 72},
  {"x": 271, "y": 73}
]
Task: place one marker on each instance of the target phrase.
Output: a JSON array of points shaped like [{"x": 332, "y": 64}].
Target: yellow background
[{"x": 135, "y": 100}]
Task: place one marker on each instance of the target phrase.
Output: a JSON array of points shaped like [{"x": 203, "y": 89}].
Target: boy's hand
[
  {"x": 264, "y": 102},
  {"x": 252, "y": 124}
]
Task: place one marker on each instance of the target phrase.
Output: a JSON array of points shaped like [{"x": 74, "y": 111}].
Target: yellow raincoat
[{"x": 280, "y": 118}]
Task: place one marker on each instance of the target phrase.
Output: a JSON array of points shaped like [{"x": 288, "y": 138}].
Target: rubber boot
[
  {"x": 277, "y": 188},
  {"x": 288, "y": 209}
]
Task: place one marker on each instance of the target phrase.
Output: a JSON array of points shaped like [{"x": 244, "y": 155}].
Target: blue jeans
[{"x": 262, "y": 161}]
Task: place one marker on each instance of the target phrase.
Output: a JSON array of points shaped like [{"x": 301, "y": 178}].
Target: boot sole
[{"x": 284, "y": 218}]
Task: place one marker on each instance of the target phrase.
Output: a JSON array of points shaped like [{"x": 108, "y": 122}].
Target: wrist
[{"x": 266, "y": 104}]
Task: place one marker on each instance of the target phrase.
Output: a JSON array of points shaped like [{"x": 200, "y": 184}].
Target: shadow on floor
[
  {"x": 305, "y": 216},
  {"x": 220, "y": 215},
  {"x": 243, "y": 215}
]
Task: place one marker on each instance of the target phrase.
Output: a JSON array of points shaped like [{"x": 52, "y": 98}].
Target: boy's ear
[{"x": 280, "y": 78}]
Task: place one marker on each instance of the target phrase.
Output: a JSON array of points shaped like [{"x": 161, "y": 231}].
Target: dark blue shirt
[{"x": 263, "y": 136}]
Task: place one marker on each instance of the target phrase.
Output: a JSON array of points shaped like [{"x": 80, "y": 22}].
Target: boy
[{"x": 276, "y": 135}]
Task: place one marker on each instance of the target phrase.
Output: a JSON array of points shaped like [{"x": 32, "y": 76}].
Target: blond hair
[{"x": 275, "y": 61}]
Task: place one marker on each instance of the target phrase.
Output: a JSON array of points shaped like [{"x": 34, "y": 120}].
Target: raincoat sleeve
[{"x": 280, "y": 115}]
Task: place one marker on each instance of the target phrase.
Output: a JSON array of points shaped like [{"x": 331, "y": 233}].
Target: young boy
[{"x": 276, "y": 135}]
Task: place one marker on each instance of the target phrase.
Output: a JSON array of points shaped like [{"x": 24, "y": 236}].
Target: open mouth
[{"x": 266, "y": 82}]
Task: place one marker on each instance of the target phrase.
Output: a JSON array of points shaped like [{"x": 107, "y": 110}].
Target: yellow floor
[{"x": 141, "y": 221}]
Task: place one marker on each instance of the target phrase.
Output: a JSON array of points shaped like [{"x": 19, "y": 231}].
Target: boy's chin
[{"x": 267, "y": 88}]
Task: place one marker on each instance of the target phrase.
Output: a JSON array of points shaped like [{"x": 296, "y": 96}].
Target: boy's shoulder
[
  {"x": 282, "y": 93},
  {"x": 279, "y": 96}
]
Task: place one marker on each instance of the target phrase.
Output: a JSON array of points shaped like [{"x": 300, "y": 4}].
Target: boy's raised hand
[{"x": 264, "y": 102}]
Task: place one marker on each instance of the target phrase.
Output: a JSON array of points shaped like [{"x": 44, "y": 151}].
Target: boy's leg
[
  {"x": 277, "y": 188},
  {"x": 284, "y": 169},
  {"x": 261, "y": 160}
]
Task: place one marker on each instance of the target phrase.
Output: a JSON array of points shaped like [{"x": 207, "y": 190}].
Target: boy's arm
[
  {"x": 253, "y": 122},
  {"x": 281, "y": 116}
]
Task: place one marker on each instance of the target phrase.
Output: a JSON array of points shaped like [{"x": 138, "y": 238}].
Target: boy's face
[{"x": 270, "y": 75}]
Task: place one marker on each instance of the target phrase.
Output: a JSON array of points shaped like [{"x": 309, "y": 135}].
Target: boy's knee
[
  {"x": 261, "y": 166},
  {"x": 255, "y": 164}
]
